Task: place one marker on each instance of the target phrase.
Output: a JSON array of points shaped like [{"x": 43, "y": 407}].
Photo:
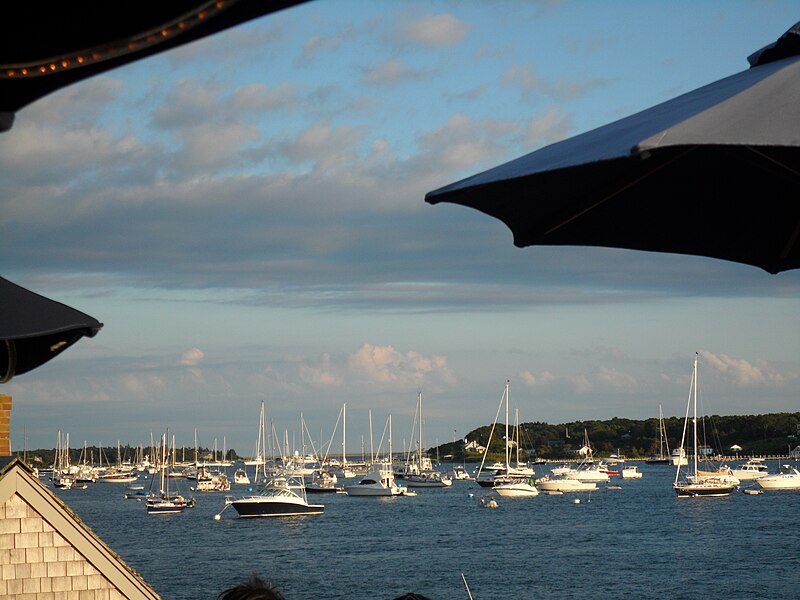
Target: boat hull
[
  {"x": 700, "y": 490},
  {"x": 777, "y": 484},
  {"x": 322, "y": 490},
  {"x": 368, "y": 491},
  {"x": 413, "y": 482},
  {"x": 258, "y": 507},
  {"x": 165, "y": 509},
  {"x": 510, "y": 490},
  {"x": 566, "y": 485}
]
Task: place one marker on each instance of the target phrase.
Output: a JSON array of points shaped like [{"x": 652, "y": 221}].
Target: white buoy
[
  {"x": 577, "y": 501},
  {"x": 217, "y": 517}
]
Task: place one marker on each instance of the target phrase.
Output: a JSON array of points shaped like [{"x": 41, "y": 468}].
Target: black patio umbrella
[
  {"x": 714, "y": 172},
  {"x": 34, "y": 329},
  {"x": 46, "y": 45}
]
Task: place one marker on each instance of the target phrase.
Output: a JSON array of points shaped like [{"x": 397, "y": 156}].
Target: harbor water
[{"x": 639, "y": 541}]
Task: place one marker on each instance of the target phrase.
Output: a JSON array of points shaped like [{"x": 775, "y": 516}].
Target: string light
[{"x": 85, "y": 57}]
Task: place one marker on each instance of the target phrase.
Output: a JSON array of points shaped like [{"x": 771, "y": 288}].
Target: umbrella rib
[
  {"x": 792, "y": 239},
  {"x": 11, "y": 351},
  {"x": 618, "y": 191}
]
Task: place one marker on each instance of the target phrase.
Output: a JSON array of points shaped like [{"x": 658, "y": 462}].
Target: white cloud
[
  {"x": 437, "y": 30},
  {"x": 384, "y": 364},
  {"x": 393, "y": 71},
  {"x": 612, "y": 378},
  {"x": 532, "y": 380},
  {"x": 192, "y": 357},
  {"x": 741, "y": 371}
]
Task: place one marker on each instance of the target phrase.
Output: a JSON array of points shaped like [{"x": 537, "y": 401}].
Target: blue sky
[{"x": 246, "y": 217}]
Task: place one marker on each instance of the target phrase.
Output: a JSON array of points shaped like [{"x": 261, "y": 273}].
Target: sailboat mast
[
  {"x": 344, "y": 435},
  {"x": 694, "y": 402},
  {"x": 419, "y": 442},
  {"x": 508, "y": 466}
]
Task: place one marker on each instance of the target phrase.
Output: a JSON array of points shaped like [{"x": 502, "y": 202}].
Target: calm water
[{"x": 638, "y": 542}]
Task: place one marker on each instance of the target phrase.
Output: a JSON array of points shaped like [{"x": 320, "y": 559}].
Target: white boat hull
[
  {"x": 565, "y": 485},
  {"x": 516, "y": 490},
  {"x": 788, "y": 479}
]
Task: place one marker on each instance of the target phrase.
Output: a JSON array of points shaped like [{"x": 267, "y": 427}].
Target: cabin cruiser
[
  {"x": 378, "y": 482},
  {"x": 751, "y": 470},
  {"x": 787, "y": 478},
  {"x": 563, "y": 483},
  {"x": 282, "y": 496}
]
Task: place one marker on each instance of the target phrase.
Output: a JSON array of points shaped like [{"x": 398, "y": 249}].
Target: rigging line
[
  {"x": 491, "y": 432},
  {"x": 466, "y": 585}
]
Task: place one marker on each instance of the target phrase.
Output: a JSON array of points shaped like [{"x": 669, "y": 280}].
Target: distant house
[
  {"x": 474, "y": 446},
  {"x": 46, "y": 551}
]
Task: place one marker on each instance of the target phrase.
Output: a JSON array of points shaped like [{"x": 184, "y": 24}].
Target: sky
[{"x": 246, "y": 217}]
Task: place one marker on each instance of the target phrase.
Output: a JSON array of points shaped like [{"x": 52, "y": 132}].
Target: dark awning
[
  {"x": 34, "y": 329},
  {"x": 45, "y": 46}
]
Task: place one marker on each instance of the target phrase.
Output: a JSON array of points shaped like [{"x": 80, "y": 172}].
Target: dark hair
[{"x": 254, "y": 588}]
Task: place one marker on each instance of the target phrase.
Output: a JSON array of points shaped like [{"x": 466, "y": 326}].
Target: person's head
[{"x": 254, "y": 588}]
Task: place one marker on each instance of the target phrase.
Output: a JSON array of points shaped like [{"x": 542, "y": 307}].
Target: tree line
[{"x": 768, "y": 434}]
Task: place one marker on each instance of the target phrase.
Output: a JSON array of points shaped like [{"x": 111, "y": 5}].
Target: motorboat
[
  {"x": 115, "y": 476},
  {"x": 378, "y": 482},
  {"x": 211, "y": 481},
  {"x": 587, "y": 472},
  {"x": 323, "y": 481},
  {"x": 460, "y": 473},
  {"x": 678, "y": 458},
  {"x": 428, "y": 479},
  {"x": 587, "y": 469},
  {"x": 751, "y": 470},
  {"x": 563, "y": 483},
  {"x": 787, "y": 478},
  {"x": 517, "y": 489},
  {"x": 631, "y": 472},
  {"x": 240, "y": 477},
  {"x": 282, "y": 496},
  {"x": 614, "y": 460},
  {"x": 562, "y": 469}
]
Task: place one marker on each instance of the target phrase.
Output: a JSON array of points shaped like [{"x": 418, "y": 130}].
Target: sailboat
[
  {"x": 162, "y": 502},
  {"x": 260, "y": 458},
  {"x": 661, "y": 456},
  {"x": 420, "y": 472},
  {"x": 501, "y": 473},
  {"x": 696, "y": 483}
]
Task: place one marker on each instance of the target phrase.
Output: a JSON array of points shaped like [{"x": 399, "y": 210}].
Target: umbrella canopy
[
  {"x": 45, "y": 45},
  {"x": 34, "y": 329},
  {"x": 714, "y": 172}
]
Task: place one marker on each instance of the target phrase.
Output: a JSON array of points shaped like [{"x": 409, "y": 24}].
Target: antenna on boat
[{"x": 466, "y": 585}]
